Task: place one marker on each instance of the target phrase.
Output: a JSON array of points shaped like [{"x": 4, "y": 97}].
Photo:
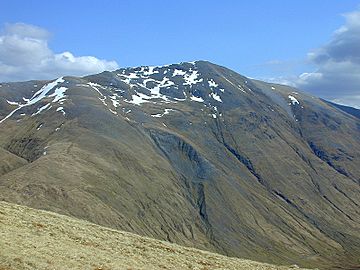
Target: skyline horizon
[{"x": 266, "y": 41}]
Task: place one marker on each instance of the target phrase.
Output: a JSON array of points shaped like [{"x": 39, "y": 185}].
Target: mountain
[
  {"x": 192, "y": 153},
  {"x": 52, "y": 241},
  {"x": 350, "y": 110}
]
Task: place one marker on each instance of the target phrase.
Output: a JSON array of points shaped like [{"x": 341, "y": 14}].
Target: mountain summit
[{"x": 191, "y": 153}]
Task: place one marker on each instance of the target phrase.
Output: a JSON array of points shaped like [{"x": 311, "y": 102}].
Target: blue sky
[{"x": 269, "y": 40}]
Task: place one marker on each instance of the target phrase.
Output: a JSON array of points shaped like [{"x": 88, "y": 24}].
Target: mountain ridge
[{"x": 191, "y": 153}]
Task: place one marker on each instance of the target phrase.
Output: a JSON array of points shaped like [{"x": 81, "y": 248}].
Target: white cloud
[
  {"x": 285, "y": 80},
  {"x": 337, "y": 74},
  {"x": 25, "y": 55},
  {"x": 352, "y": 101}
]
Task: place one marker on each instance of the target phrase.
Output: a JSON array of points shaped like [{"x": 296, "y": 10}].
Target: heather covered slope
[
  {"x": 34, "y": 239},
  {"x": 192, "y": 153}
]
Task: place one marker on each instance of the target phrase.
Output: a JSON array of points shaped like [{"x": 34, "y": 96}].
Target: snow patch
[
  {"x": 114, "y": 101},
  {"x": 138, "y": 99},
  {"x": 59, "y": 93},
  {"x": 212, "y": 83},
  {"x": 293, "y": 100},
  {"x": 96, "y": 87},
  {"x": 43, "y": 91},
  {"x": 178, "y": 72},
  {"x": 151, "y": 70},
  {"x": 154, "y": 92},
  {"x": 46, "y": 106},
  {"x": 242, "y": 89},
  {"x": 112, "y": 111},
  {"x": 13, "y": 102},
  {"x": 61, "y": 109},
  {"x": 215, "y": 96},
  {"x": 191, "y": 79},
  {"x": 167, "y": 111},
  {"x": 39, "y": 95},
  {"x": 197, "y": 99},
  {"x": 132, "y": 76}
]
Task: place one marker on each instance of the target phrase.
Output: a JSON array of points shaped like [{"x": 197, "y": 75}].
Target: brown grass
[{"x": 34, "y": 239}]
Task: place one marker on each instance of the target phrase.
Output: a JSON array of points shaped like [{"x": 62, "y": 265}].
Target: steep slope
[
  {"x": 353, "y": 111},
  {"x": 34, "y": 239},
  {"x": 192, "y": 153}
]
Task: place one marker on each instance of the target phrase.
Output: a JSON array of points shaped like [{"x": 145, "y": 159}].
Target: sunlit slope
[{"x": 35, "y": 239}]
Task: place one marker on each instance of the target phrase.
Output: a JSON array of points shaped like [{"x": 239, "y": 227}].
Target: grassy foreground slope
[{"x": 35, "y": 239}]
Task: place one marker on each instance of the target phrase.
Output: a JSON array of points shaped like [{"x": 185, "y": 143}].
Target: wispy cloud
[
  {"x": 25, "y": 55},
  {"x": 286, "y": 80},
  {"x": 276, "y": 66}
]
